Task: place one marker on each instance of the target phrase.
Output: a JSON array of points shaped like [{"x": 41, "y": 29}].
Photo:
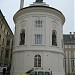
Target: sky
[{"x": 10, "y": 7}]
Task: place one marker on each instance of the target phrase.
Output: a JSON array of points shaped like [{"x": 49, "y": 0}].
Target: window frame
[
  {"x": 72, "y": 65},
  {"x": 38, "y": 23},
  {"x": 38, "y": 39},
  {"x": 37, "y": 61}
]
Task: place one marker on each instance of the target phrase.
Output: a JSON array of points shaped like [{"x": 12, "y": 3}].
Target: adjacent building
[
  {"x": 69, "y": 49},
  {"x": 6, "y": 42}
]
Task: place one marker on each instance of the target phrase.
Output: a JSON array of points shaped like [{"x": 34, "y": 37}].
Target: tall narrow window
[
  {"x": 0, "y": 40},
  {"x": 1, "y": 54},
  {"x": 72, "y": 54},
  {"x": 65, "y": 65},
  {"x": 4, "y": 30},
  {"x": 3, "y": 42},
  {"x": 38, "y": 38},
  {"x": 54, "y": 38},
  {"x": 7, "y": 33},
  {"x": 0, "y": 37},
  {"x": 7, "y": 54},
  {"x": 1, "y": 24},
  {"x": 72, "y": 65},
  {"x": 8, "y": 42},
  {"x": 37, "y": 61},
  {"x": 38, "y": 23},
  {"x": 22, "y": 37}
]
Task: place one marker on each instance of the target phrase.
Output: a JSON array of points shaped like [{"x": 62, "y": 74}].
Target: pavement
[{"x": 0, "y": 74}]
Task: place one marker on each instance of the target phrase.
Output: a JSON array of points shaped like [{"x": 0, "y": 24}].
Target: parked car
[{"x": 40, "y": 72}]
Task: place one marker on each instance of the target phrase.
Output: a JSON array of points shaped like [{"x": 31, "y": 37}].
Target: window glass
[
  {"x": 4, "y": 30},
  {"x": 3, "y": 42},
  {"x": 37, "y": 61},
  {"x": 8, "y": 42},
  {"x": 7, "y": 53},
  {"x": 65, "y": 65},
  {"x": 35, "y": 73},
  {"x": 0, "y": 37},
  {"x": 32, "y": 73},
  {"x": 1, "y": 54},
  {"x": 40, "y": 73},
  {"x": 38, "y": 38},
  {"x": 47, "y": 73},
  {"x": 72, "y": 54},
  {"x": 38, "y": 23},
  {"x": 72, "y": 65},
  {"x": 1, "y": 23}
]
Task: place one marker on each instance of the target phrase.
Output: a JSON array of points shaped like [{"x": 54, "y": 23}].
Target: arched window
[
  {"x": 22, "y": 37},
  {"x": 38, "y": 23},
  {"x": 54, "y": 38},
  {"x": 37, "y": 61}
]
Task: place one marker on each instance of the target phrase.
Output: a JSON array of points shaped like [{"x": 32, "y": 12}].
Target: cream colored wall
[
  {"x": 23, "y": 55},
  {"x": 27, "y": 23}
]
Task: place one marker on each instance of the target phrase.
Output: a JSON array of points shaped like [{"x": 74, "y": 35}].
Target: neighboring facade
[
  {"x": 69, "y": 49},
  {"x": 6, "y": 42},
  {"x": 38, "y": 39}
]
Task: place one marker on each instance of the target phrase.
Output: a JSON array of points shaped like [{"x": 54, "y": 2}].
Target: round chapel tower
[{"x": 38, "y": 39}]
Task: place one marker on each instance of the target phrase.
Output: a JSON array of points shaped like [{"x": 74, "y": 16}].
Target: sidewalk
[{"x": 0, "y": 74}]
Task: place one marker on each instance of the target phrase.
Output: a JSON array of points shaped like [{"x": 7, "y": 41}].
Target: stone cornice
[{"x": 45, "y": 9}]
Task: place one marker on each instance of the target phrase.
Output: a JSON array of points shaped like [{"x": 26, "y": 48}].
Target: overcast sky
[{"x": 10, "y": 7}]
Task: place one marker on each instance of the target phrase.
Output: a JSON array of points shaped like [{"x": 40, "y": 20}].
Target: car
[{"x": 40, "y": 72}]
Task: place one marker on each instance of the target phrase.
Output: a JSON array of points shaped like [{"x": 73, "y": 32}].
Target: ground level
[{"x": 70, "y": 74}]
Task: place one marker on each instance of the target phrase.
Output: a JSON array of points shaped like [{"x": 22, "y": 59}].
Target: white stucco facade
[{"x": 51, "y": 56}]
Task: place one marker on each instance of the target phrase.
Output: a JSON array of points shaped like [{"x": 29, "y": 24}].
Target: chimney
[
  {"x": 70, "y": 34},
  {"x": 74, "y": 34},
  {"x": 21, "y": 4}
]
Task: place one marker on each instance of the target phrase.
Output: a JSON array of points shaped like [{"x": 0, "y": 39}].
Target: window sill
[
  {"x": 38, "y": 45},
  {"x": 54, "y": 46},
  {"x": 22, "y": 45}
]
